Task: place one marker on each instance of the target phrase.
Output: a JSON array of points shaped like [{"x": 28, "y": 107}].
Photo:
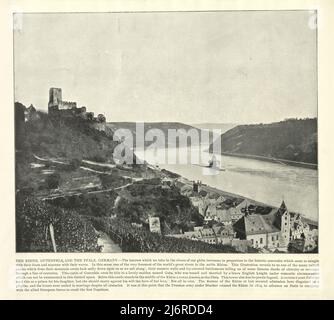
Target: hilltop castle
[{"x": 58, "y": 107}]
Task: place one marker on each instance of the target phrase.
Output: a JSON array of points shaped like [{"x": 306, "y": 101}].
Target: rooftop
[{"x": 258, "y": 224}]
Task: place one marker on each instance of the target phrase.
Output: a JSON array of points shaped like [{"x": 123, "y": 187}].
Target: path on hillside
[
  {"x": 81, "y": 167},
  {"x": 108, "y": 245},
  {"x": 69, "y": 193},
  {"x": 106, "y": 165},
  {"x": 94, "y": 171}
]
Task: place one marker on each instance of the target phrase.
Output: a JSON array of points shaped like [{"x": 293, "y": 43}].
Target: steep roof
[
  {"x": 224, "y": 215},
  {"x": 258, "y": 224},
  {"x": 223, "y": 206},
  {"x": 270, "y": 218},
  {"x": 282, "y": 209},
  {"x": 217, "y": 229},
  {"x": 207, "y": 232}
]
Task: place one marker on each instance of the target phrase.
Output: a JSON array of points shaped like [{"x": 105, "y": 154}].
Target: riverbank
[
  {"x": 306, "y": 165},
  {"x": 223, "y": 193},
  {"x": 227, "y": 194},
  {"x": 300, "y": 164},
  {"x": 267, "y": 182}
]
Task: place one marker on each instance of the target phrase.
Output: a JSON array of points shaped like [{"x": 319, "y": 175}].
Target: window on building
[
  {"x": 277, "y": 237},
  {"x": 261, "y": 240}
]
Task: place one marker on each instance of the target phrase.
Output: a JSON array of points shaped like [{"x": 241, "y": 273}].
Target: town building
[
  {"x": 304, "y": 233},
  {"x": 265, "y": 231},
  {"x": 208, "y": 236},
  {"x": 224, "y": 233},
  {"x": 220, "y": 209},
  {"x": 197, "y": 186}
]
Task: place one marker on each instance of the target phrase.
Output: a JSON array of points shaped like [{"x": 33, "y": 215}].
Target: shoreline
[
  {"x": 208, "y": 188},
  {"x": 298, "y": 164},
  {"x": 312, "y": 166},
  {"x": 185, "y": 181}
]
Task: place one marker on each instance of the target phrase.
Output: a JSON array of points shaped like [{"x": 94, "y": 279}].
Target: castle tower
[{"x": 55, "y": 98}]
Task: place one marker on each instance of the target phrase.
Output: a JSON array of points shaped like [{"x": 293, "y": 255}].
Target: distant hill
[
  {"x": 291, "y": 139},
  {"x": 212, "y": 126},
  {"x": 163, "y": 126}
]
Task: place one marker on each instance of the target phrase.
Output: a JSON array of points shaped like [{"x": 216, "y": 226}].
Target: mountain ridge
[
  {"x": 293, "y": 140},
  {"x": 162, "y": 126}
]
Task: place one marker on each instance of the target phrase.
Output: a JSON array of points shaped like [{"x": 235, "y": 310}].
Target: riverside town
[{"x": 83, "y": 186}]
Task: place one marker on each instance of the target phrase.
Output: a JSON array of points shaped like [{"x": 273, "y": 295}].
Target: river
[{"x": 259, "y": 180}]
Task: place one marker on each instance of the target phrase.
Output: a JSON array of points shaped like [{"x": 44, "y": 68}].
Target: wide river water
[{"x": 259, "y": 180}]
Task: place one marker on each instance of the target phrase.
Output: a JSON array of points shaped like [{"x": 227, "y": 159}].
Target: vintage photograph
[{"x": 178, "y": 132}]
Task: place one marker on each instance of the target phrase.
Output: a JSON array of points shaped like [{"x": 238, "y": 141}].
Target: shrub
[
  {"x": 33, "y": 218},
  {"x": 53, "y": 180}
]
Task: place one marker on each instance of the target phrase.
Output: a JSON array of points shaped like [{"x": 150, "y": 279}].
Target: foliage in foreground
[
  {"x": 135, "y": 239},
  {"x": 71, "y": 232}
]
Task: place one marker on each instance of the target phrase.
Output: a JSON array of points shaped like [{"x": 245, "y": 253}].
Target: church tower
[{"x": 282, "y": 222}]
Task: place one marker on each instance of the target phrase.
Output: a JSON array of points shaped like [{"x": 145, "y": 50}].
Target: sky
[{"x": 227, "y": 67}]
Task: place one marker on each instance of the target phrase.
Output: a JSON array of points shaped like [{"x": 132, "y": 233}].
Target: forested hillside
[
  {"x": 292, "y": 139},
  {"x": 71, "y": 138},
  {"x": 69, "y": 189},
  {"x": 161, "y": 126}
]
